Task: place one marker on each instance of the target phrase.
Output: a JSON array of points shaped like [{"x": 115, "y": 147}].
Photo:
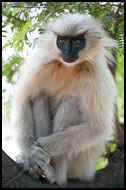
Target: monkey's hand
[{"x": 35, "y": 161}]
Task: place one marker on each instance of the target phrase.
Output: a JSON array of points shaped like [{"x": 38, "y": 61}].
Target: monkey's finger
[
  {"x": 45, "y": 153},
  {"x": 42, "y": 165},
  {"x": 40, "y": 172},
  {"x": 34, "y": 173},
  {"x": 43, "y": 157},
  {"x": 23, "y": 164},
  {"x": 42, "y": 150}
]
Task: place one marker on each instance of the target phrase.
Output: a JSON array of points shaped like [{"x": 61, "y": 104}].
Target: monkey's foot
[
  {"x": 50, "y": 174},
  {"x": 36, "y": 161}
]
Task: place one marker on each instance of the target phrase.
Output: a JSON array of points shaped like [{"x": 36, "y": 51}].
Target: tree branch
[{"x": 110, "y": 177}]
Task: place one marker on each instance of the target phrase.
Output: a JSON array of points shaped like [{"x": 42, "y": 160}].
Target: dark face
[{"x": 70, "y": 46}]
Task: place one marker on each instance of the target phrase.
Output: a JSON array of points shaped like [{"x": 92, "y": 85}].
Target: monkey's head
[
  {"x": 70, "y": 46},
  {"x": 76, "y": 38}
]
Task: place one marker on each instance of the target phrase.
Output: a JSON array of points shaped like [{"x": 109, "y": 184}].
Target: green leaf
[
  {"x": 4, "y": 31},
  {"x": 6, "y": 45},
  {"x": 112, "y": 147},
  {"x": 11, "y": 66},
  {"x": 21, "y": 34},
  {"x": 102, "y": 163},
  {"x": 16, "y": 11}
]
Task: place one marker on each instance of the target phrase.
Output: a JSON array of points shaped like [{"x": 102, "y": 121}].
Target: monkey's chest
[{"x": 60, "y": 80}]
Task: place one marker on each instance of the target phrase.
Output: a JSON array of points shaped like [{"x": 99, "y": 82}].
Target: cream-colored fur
[{"x": 63, "y": 112}]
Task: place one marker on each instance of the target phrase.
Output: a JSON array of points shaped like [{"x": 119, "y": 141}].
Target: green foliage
[
  {"x": 11, "y": 66},
  {"x": 103, "y": 160},
  {"x": 19, "y": 14},
  {"x": 111, "y": 144},
  {"x": 26, "y": 17},
  {"x": 102, "y": 163},
  {"x": 120, "y": 85}
]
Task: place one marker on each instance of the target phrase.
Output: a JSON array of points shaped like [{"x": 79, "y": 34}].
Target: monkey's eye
[
  {"x": 77, "y": 42},
  {"x": 62, "y": 41}
]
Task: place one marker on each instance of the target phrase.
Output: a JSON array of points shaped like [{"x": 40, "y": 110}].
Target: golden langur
[{"x": 63, "y": 108}]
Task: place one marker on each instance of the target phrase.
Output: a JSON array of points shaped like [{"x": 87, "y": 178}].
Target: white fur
[{"x": 80, "y": 97}]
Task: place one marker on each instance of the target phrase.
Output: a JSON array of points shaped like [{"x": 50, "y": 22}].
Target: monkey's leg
[
  {"x": 93, "y": 130},
  {"x": 83, "y": 165},
  {"x": 66, "y": 115},
  {"x": 41, "y": 115}
]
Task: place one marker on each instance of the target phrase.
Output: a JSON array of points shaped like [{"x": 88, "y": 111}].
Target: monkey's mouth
[{"x": 70, "y": 59}]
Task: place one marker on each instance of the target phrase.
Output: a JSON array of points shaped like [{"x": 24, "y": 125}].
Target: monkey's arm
[
  {"x": 73, "y": 140},
  {"x": 32, "y": 156},
  {"x": 97, "y": 125}
]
